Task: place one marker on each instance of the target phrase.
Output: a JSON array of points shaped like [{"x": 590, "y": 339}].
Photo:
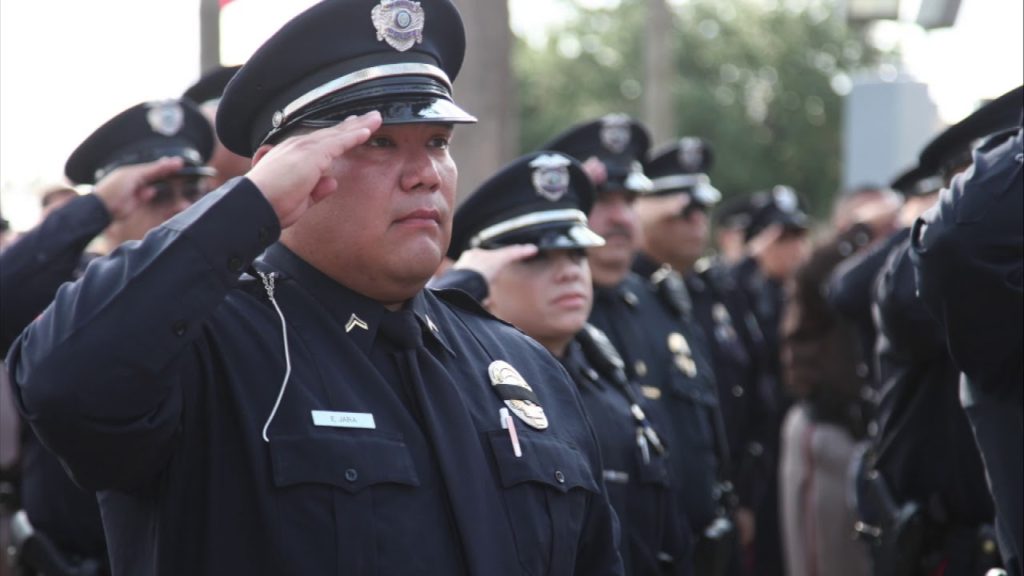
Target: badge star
[{"x": 355, "y": 322}]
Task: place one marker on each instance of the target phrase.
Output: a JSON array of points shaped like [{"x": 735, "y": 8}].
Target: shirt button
[
  {"x": 351, "y": 475},
  {"x": 559, "y": 477},
  {"x": 179, "y": 328},
  {"x": 235, "y": 264},
  {"x": 737, "y": 391}
]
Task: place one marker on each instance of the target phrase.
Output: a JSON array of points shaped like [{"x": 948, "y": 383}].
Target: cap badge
[
  {"x": 615, "y": 133},
  {"x": 785, "y": 198},
  {"x": 691, "y": 154},
  {"x": 399, "y": 23},
  {"x": 517, "y": 394},
  {"x": 166, "y": 117},
  {"x": 551, "y": 176}
]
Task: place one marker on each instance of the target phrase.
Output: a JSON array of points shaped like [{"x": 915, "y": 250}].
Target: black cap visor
[{"x": 550, "y": 236}]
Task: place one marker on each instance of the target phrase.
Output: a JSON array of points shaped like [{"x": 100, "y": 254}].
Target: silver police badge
[
  {"x": 691, "y": 154},
  {"x": 529, "y": 411},
  {"x": 785, "y": 198},
  {"x": 615, "y": 133},
  {"x": 165, "y": 117},
  {"x": 551, "y": 176},
  {"x": 399, "y": 23}
]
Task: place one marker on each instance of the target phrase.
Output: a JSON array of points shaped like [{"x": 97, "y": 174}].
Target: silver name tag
[{"x": 343, "y": 419}]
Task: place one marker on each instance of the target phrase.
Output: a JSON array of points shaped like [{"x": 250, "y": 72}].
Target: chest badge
[
  {"x": 510, "y": 386},
  {"x": 682, "y": 354}
]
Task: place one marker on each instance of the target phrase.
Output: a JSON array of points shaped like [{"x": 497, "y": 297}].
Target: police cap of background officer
[
  {"x": 542, "y": 198},
  {"x": 210, "y": 86},
  {"x": 950, "y": 151},
  {"x": 144, "y": 133},
  {"x": 918, "y": 181},
  {"x": 682, "y": 167},
  {"x": 347, "y": 57},
  {"x": 618, "y": 141},
  {"x": 780, "y": 205}
]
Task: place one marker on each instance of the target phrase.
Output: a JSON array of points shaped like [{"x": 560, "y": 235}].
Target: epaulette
[
  {"x": 672, "y": 291},
  {"x": 601, "y": 353},
  {"x": 464, "y": 301}
]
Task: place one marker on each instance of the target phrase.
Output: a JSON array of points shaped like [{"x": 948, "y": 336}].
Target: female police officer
[{"x": 541, "y": 200}]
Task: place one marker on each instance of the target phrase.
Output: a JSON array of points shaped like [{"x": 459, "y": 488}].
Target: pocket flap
[
  {"x": 350, "y": 462},
  {"x": 545, "y": 460}
]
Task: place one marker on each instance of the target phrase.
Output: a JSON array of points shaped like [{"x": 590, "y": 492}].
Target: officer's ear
[{"x": 260, "y": 153}]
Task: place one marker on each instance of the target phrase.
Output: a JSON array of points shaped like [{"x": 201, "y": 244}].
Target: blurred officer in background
[
  {"x": 316, "y": 411},
  {"x": 820, "y": 360},
  {"x": 541, "y": 200},
  {"x": 776, "y": 245},
  {"x": 168, "y": 143},
  {"x": 674, "y": 220},
  {"x": 923, "y": 489},
  {"x": 206, "y": 93},
  {"x": 645, "y": 323},
  {"x": 731, "y": 218},
  {"x": 968, "y": 251}
]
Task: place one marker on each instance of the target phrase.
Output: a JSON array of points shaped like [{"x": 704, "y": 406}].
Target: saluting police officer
[
  {"x": 647, "y": 322},
  {"x": 968, "y": 254},
  {"x": 172, "y": 141},
  {"x": 314, "y": 410},
  {"x": 925, "y": 484},
  {"x": 541, "y": 200}
]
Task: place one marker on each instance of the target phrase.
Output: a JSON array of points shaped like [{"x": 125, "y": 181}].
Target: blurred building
[{"x": 885, "y": 125}]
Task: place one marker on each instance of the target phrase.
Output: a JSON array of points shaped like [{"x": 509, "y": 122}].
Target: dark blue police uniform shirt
[
  {"x": 31, "y": 271},
  {"x": 638, "y": 324},
  {"x": 153, "y": 375},
  {"x": 639, "y": 488}
]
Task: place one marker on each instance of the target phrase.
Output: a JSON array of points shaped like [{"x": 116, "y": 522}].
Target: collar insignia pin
[{"x": 355, "y": 322}]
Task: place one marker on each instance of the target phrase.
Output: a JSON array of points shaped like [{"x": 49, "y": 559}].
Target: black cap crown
[
  {"x": 618, "y": 141},
  {"x": 780, "y": 205},
  {"x": 345, "y": 57},
  {"x": 144, "y": 133},
  {"x": 541, "y": 198},
  {"x": 682, "y": 167},
  {"x": 211, "y": 85}
]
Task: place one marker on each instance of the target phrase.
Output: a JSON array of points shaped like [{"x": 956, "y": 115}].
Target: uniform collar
[
  {"x": 644, "y": 265},
  {"x": 358, "y": 315}
]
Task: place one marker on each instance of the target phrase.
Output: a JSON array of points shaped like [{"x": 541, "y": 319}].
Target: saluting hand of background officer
[
  {"x": 127, "y": 188},
  {"x": 490, "y": 263},
  {"x": 296, "y": 173}
]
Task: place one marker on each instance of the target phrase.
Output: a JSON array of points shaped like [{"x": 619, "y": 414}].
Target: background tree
[{"x": 759, "y": 79}]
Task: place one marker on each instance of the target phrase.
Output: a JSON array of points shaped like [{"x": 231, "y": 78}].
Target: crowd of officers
[{"x": 793, "y": 403}]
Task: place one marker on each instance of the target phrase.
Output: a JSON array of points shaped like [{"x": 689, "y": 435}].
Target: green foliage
[{"x": 754, "y": 77}]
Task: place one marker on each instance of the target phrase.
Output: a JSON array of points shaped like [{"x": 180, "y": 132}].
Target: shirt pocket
[
  {"x": 324, "y": 498},
  {"x": 546, "y": 493}
]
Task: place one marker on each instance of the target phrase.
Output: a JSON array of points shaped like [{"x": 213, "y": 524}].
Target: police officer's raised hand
[
  {"x": 296, "y": 173},
  {"x": 490, "y": 263},
  {"x": 127, "y": 188}
]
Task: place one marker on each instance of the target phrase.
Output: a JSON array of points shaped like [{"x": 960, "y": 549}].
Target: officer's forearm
[{"x": 97, "y": 372}]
